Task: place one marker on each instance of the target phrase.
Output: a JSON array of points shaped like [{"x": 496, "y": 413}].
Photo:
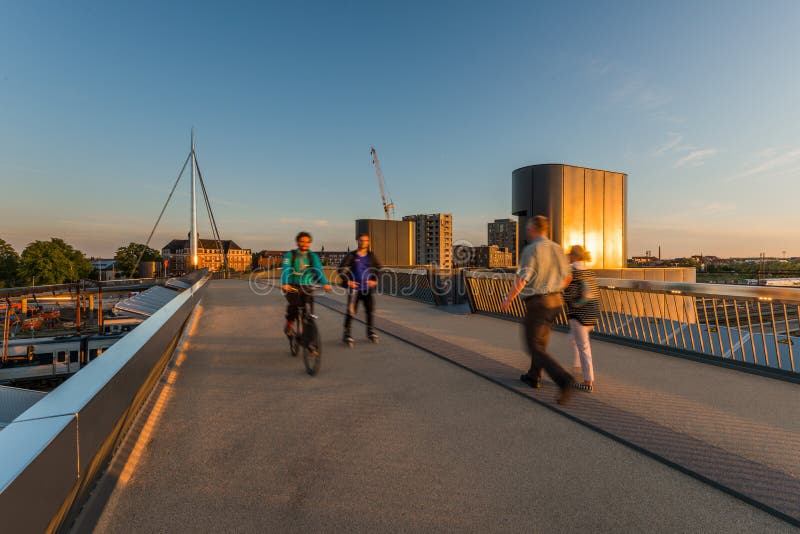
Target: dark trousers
[
  {"x": 296, "y": 301},
  {"x": 540, "y": 313},
  {"x": 353, "y": 298}
]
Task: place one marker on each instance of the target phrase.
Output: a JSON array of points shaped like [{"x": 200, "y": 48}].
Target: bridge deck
[{"x": 388, "y": 437}]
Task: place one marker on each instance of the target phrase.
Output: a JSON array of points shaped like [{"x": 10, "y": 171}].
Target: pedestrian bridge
[{"x": 200, "y": 420}]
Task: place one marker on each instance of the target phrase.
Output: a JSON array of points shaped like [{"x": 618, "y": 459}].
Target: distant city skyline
[{"x": 695, "y": 102}]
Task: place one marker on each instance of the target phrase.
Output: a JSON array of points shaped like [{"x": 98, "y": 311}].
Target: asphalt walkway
[{"x": 390, "y": 438}]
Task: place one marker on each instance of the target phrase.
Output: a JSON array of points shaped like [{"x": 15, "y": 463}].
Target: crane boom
[{"x": 387, "y": 206}]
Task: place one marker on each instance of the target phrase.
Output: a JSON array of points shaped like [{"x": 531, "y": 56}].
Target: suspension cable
[
  {"x": 153, "y": 231},
  {"x": 212, "y": 220}
]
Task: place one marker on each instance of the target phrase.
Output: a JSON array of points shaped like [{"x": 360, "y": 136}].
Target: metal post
[
  {"x": 739, "y": 329},
  {"x": 687, "y": 302},
  {"x": 763, "y": 333},
  {"x": 788, "y": 337},
  {"x": 653, "y": 310},
  {"x": 775, "y": 335},
  {"x": 6, "y": 327},
  {"x": 728, "y": 327},
  {"x": 78, "y": 308},
  {"x": 677, "y": 320},
  {"x": 708, "y": 326},
  {"x": 750, "y": 330},
  {"x": 99, "y": 307},
  {"x": 717, "y": 326}
]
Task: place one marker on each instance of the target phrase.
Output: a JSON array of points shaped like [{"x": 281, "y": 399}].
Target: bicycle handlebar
[{"x": 312, "y": 287}]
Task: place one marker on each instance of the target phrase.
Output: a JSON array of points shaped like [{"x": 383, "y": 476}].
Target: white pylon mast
[{"x": 193, "y": 221}]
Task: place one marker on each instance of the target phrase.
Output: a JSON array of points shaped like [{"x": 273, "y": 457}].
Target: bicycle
[{"x": 306, "y": 334}]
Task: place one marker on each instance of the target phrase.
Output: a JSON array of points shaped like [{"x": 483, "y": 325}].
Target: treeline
[
  {"x": 752, "y": 267},
  {"x": 58, "y": 262}
]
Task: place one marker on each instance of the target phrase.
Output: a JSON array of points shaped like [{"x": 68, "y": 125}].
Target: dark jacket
[{"x": 347, "y": 267}]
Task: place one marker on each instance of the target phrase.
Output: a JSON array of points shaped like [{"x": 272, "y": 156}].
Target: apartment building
[{"x": 433, "y": 239}]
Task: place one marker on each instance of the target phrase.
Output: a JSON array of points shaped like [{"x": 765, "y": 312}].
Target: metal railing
[
  {"x": 434, "y": 286},
  {"x": 754, "y": 325},
  {"x": 412, "y": 283},
  {"x": 49, "y": 460},
  {"x": 84, "y": 286},
  {"x": 416, "y": 284}
]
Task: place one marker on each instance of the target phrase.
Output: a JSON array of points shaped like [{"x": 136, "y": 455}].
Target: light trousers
[{"x": 579, "y": 336}]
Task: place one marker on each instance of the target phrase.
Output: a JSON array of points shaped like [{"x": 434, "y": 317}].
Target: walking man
[
  {"x": 359, "y": 271},
  {"x": 541, "y": 275}
]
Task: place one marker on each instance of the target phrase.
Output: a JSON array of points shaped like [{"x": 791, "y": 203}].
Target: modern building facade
[
  {"x": 270, "y": 259},
  {"x": 503, "y": 233},
  {"x": 332, "y": 257},
  {"x": 391, "y": 241},
  {"x": 433, "y": 239},
  {"x": 492, "y": 256},
  {"x": 585, "y": 206},
  {"x": 209, "y": 255},
  {"x": 484, "y": 256}
]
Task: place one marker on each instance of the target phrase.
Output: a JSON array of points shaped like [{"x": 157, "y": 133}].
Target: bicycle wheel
[{"x": 312, "y": 345}]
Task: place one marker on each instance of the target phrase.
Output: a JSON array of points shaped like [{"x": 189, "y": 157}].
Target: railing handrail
[
  {"x": 87, "y": 285},
  {"x": 405, "y": 270},
  {"x": 689, "y": 289},
  {"x": 753, "y": 327},
  {"x": 695, "y": 289}
]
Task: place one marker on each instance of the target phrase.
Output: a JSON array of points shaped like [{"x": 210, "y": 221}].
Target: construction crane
[{"x": 387, "y": 206}]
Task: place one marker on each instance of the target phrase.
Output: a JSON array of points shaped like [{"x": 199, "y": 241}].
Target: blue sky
[{"x": 697, "y": 102}]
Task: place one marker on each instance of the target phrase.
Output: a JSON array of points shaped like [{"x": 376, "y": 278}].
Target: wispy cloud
[
  {"x": 671, "y": 144},
  {"x": 690, "y": 155},
  {"x": 314, "y": 223},
  {"x": 600, "y": 67},
  {"x": 640, "y": 95},
  {"x": 21, "y": 169},
  {"x": 772, "y": 161},
  {"x": 714, "y": 208},
  {"x": 631, "y": 90},
  {"x": 696, "y": 157},
  {"x": 684, "y": 219},
  {"x": 181, "y": 192}
]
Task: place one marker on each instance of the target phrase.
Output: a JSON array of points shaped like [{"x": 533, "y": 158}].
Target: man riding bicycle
[{"x": 300, "y": 267}]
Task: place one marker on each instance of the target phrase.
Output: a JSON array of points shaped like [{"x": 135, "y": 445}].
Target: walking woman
[{"x": 582, "y": 296}]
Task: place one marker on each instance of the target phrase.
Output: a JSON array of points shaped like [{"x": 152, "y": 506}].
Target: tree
[
  {"x": 9, "y": 264},
  {"x": 126, "y": 257},
  {"x": 52, "y": 262}
]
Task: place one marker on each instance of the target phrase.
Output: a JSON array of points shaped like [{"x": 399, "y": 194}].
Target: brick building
[{"x": 209, "y": 255}]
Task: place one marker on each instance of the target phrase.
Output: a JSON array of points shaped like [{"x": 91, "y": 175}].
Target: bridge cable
[
  {"x": 211, "y": 219},
  {"x": 209, "y": 212},
  {"x": 153, "y": 231}
]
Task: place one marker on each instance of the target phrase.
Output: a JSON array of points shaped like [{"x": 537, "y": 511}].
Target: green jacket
[{"x": 302, "y": 269}]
